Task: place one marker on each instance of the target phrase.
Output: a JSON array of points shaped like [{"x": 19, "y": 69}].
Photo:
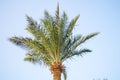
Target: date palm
[{"x": 52, "y": 42}]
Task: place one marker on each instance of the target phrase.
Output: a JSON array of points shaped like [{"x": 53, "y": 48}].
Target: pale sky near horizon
[{"x": 95, "y": 16}]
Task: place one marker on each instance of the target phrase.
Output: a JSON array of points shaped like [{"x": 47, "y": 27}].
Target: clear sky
[{"x": 95, "y": 16}]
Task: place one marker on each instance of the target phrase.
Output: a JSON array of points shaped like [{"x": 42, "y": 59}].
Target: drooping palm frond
[
  {"x": 32, "y": 45},
  {"x": 64, "y": 73},
  {"x": 37, "y": 58},
  {"x": 28, "y": 43},
  {"x": 33, "y": 57},
  {"x": 80, "y": 52}
]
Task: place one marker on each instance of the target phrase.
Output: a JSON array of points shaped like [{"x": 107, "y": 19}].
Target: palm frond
[
  {"x": 43, "y": 35},
  {"x": 34, "y": 28},
  {"x": 82, "y": 39},
  {"x": 63, "y": 26},
  {"x": 32, "y": 58},
  {"x": 31, "y": 21},
  {"x": 31, "y": 45},
  {"x": 35, "y": 57},
  {"x": 67, "y": 37},
  {"x": 27, "y": 42},
  {"x": 89, "y": 36},
  {"x": 48, "y": 17},
  {"x": 75, "y": 42},
  {"x": 64, "y": 73},
  {"x": 70, "y": 27},
  {"x": 71, "y": 54},
  {"x": 81, "y": 52},
  {"x": 57, "y": 16}
]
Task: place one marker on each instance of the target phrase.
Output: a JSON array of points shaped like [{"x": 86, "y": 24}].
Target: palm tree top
[{"x": 52, "y": 40}]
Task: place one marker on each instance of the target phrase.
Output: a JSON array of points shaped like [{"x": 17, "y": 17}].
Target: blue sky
[{"x": 95, "y": 16}]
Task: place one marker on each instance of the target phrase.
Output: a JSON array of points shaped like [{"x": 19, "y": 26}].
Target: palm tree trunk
[
  {"x": 57, "y": 75},
  {"x": 56, "y": 69}
]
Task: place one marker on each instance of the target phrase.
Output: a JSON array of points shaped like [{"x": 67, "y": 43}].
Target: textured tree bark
[
  {"x": 57, "y": 75},
  {"x": 56, "y": 70}
]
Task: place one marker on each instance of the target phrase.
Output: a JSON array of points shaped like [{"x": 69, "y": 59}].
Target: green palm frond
[
  {"x": 70, "y": 27},
  {"x": 34, "y": 28},
  {"x": 57, "y": 16},
  {"x": 44, "y": 35},
  {"x": 35, "y": 57},
  {"x": 81, "y": 52},
  {"x": 28, "y": 43},
  {"x": 48, "y": 17},
  {"x": 71, "y": 54},
  {"x": 63, "y": 24},
  {"x": 82, "y": 39},
  {"x": 32, "y": 58},
  {"x": 64, "y": 73},
  {"x": 72, "y": 44},
  {"x": 31, "y": 45},
  {"x": 31, "y": 21}
]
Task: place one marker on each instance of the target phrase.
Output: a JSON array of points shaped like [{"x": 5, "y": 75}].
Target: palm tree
[{"x": 52, "y": 42}]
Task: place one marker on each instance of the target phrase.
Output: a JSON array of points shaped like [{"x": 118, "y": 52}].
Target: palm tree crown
[{"x": 53, "y": 42}]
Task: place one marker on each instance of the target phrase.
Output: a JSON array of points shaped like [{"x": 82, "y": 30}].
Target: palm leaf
[
  {"x": 70, "y": 27},
  {"x": 64, "y": 73},
  {"x": 31, "y": 45},
  {"x": 82, "y": 39},
  {"x": 81, "y": 52}
]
